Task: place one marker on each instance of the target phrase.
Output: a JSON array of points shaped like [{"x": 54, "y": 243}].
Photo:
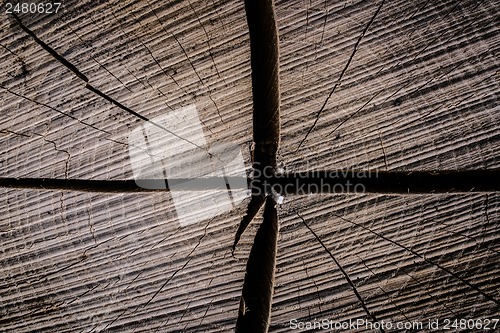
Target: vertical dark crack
[
  {"x": 256, "y": 299},
  {"x": 264, "y": 57},
  {"x": 256, "y": 201}
]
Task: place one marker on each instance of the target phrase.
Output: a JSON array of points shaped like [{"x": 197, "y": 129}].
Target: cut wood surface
[{"x": 418, "y": 90}]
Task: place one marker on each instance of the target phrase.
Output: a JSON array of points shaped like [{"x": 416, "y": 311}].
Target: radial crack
[
  {"x": 302, "y": 183},
  {"x": 93, "y": 58},
  {"x": 346, "y": 276},
  {"x": 341, "y": 74},
  {"x": 207, "y": 40},
  {"x": 180, "y": 269},
  {"x": 62, "y": 113},
  {"x": 151, "y": 53},
  {"x": 96, "y": 91},
  {"x": 50, "y": 50},
  {"x": 164, "y": 284},
  {"x": 189, "y": 60},
  {"x": 140, "y": 116},
  {"x": 396, "y": 306},
  {"x": 354, "y": 113},
  {"x": 444, "y": 269}
]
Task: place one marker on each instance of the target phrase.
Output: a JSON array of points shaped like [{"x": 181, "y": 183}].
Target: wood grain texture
[{"x": 421, "y": 93}]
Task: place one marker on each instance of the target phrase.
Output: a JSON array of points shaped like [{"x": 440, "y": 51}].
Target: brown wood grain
[{"x": 421, "y": 93}]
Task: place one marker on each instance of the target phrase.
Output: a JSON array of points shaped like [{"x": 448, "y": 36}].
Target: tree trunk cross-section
[{"x": 409, "y": 88}]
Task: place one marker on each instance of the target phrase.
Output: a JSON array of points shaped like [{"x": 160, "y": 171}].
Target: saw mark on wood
[
  {"x": 354, "y": 113},
  {"x": 486, "y": 213},
  {"x": 12, "y": 52},
  {"x": 383, "y": 151},
  {"x": 419, "y": 9},
  {"x": 324, "y": 24},
  {"x": 315, "y": 286},
  {"x": 415, "y": 92},
  {"x": 479, "y": 245},
  {"x": 140, "y": 116},
  {"x": 154, "y": 59},
  {"x": 83, "y": 294},
  {"x": 90, "y": 224},
  {"x": 178, "y": 270}
]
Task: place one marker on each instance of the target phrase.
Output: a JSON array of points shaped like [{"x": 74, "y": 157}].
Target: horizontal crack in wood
[{"x": 300, "y": 183}]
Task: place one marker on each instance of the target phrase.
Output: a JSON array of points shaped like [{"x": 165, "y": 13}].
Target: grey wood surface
[{"x": 420, "y": 93}]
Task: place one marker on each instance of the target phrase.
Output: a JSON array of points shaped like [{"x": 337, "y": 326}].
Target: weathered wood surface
[{"x": 421, "y": 92}]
